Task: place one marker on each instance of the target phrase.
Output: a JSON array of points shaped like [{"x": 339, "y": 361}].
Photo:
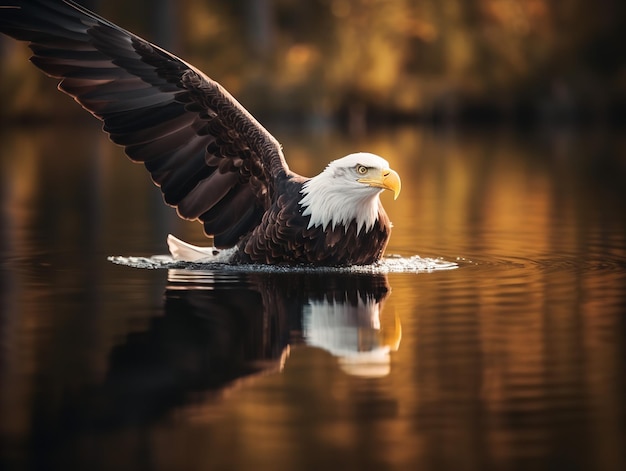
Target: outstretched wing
[{"x": 212, "y": 160}]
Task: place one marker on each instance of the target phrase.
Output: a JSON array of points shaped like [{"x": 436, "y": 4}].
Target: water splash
[{"x": 389, "y": 264}]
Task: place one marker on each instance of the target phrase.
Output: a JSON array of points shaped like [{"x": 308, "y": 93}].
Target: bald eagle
[{"x": 211, "y": 159}]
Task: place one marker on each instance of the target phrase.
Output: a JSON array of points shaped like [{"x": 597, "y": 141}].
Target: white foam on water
[{"x": 389, "y": 264}]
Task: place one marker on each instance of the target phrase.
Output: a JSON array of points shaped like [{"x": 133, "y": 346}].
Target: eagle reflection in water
[
  {"x": 250, "y": 321},
  {"x": 221, "y": 329}
]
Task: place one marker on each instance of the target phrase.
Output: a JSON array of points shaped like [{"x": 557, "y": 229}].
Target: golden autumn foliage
[{"x": 415, "y": 58}]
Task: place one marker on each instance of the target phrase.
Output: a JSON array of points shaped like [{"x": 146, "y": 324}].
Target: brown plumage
[{"x": 211, "y": 159}]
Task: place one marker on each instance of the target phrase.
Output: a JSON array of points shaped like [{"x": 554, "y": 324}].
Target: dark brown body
[{"x": 283, "y": 237}]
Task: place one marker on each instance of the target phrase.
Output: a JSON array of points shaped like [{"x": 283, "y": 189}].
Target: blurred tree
[
  {"x": 381, "y": 58},
  {"x": 164, "y": 22}
]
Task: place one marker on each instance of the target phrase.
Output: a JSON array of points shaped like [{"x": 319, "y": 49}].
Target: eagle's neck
[{"x": 330, "y": 204}]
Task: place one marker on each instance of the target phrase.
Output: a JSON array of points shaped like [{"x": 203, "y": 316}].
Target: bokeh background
[{"x": 365, "y": 62}]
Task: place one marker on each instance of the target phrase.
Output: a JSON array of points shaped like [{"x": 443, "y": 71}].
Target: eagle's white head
[{"x": 348, "y": 190}]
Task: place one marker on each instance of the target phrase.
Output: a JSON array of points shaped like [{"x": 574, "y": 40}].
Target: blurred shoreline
[{"x": 363, "y": 64}]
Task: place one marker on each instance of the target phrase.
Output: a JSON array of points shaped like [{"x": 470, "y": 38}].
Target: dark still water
[{"x": 514, "y": 360}]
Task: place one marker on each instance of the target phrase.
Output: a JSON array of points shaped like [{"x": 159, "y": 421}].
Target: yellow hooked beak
[{"x": 386, "y": 178}]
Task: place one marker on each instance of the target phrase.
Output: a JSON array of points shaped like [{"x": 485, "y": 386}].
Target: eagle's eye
[{"x": 361, "y": 169}]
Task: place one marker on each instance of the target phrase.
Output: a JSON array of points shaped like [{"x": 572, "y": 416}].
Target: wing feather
[
  {"x": 195, "y": 203},
  {"x": 201, "y": 147}
]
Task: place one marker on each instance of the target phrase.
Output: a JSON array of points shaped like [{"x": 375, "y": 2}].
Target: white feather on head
[{"x": 335, "y": 196}]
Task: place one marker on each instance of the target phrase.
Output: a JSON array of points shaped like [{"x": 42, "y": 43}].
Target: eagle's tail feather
[{"x": 184, "y": 251}]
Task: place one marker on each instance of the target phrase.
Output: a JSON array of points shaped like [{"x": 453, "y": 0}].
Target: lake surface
[{"x": 513, "y": 360}]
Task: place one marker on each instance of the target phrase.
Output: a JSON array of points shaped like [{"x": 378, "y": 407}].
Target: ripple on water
[
  {"x": 569, "y": 263},
  {"x": 582, "y": 263}
]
